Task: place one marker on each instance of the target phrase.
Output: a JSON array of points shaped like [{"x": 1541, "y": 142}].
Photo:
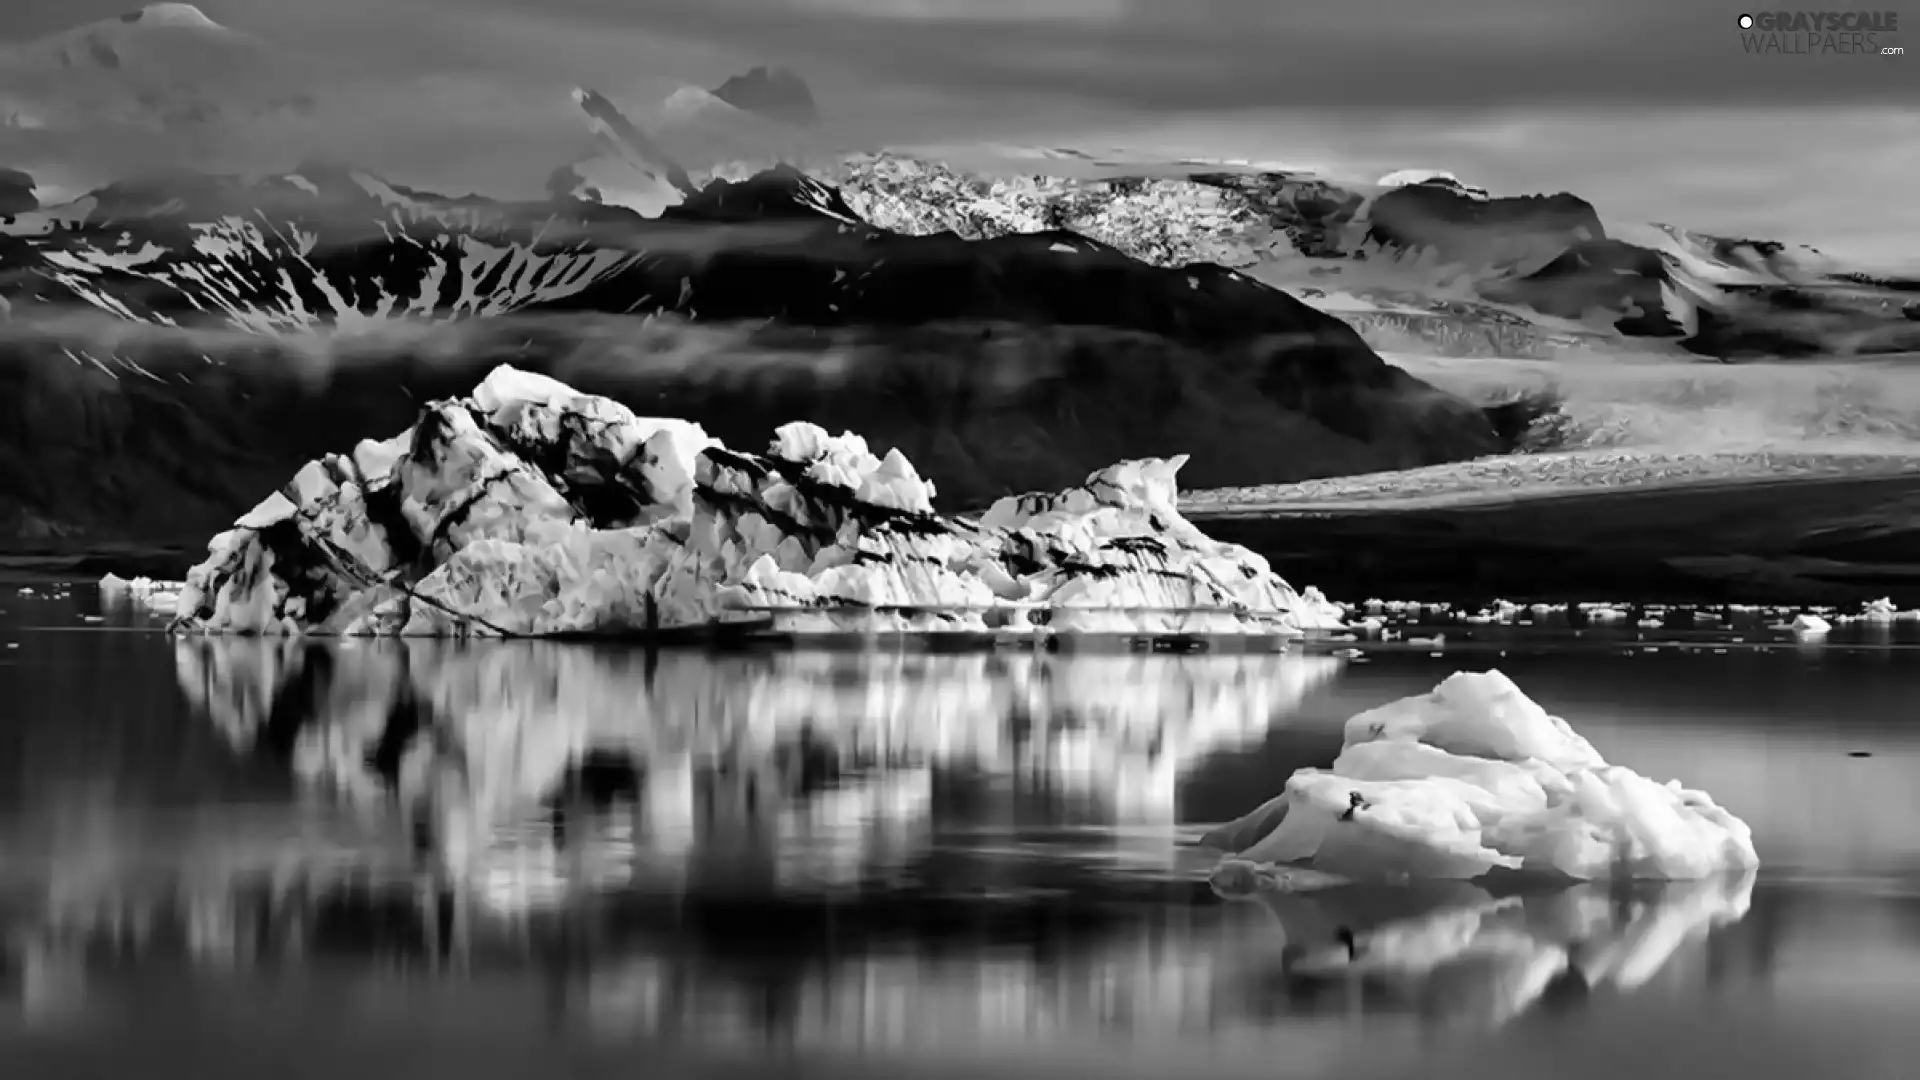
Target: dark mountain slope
[{"x": 234, "y": 330}]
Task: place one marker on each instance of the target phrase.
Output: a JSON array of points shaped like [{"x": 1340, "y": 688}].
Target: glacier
[
  {"x": 529, "y": 509},
  {"x": 1471, "y": 780}
]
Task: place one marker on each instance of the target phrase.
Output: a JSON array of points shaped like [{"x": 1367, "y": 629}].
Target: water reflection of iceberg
[
  {"x": 814, "y": 763},
  {"x": 778, "y": 774},
  {"x": 880, "y": 971},
  {"x": 1457, "y": 952}
]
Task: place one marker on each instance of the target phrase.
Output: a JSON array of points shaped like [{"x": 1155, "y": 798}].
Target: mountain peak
[
  {"x": 17, "y": 192},
  {"x": 171, "y": 14},
  {"x": 772, "y": 92},
  {"x": 690, "y": 102}
]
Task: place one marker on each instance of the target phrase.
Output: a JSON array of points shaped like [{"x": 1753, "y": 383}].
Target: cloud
[
  {"x": 1219, "y": 54},
  {"x": 1142, "y": 55}
]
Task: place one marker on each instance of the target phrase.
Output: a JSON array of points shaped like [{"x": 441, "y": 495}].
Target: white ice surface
[
  {"x": 532, "y": 509},
  {"x": 1475, "y": 778}
]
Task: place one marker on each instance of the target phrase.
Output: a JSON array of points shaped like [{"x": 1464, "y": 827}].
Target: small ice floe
[
  {"x": 1650, "y": 624},
  {"x": 1370, "y": 626},
  {"x": 1882, "y": 610},
  {"x": 1434, "y": 642}
]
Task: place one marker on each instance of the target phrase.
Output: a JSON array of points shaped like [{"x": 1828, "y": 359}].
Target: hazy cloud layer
[
  {"x": 1649, "y": 108},
  {"x": 1144, "y": 54}
]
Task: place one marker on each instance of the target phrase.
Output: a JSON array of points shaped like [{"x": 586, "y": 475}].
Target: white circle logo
[{"x": 1746, "y": 22}]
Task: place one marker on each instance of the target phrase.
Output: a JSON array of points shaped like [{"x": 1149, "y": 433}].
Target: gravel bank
[{"x": 1534, "y": 475}]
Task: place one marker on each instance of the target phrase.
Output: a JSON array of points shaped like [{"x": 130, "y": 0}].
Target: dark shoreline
[{"x": 1800, "y": 541}]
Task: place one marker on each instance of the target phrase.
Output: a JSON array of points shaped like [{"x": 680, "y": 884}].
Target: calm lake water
[{"x": 525, "y": 859}]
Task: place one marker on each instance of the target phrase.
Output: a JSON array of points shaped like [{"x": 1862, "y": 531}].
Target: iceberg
[
  {"x": 529, "y": 509},
  {"x": 1471, "y": 780}
]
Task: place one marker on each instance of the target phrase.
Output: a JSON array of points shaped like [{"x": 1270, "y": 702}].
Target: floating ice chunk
[
  {"x": 1474, "y": 778},
  {"x": 1880, "y": 611},
  {"x": 1809, "y": 625},
  {"x": 141, "y": 593}
]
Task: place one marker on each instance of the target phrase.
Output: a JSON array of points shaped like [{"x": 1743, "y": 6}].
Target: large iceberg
[
  {"x": 1470, "y": 780},
  {"x": 531, "y": 509}
]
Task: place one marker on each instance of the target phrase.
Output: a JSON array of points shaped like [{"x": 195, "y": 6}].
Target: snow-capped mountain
[
  {"x": 1414, "y": 253},
  {"x": 630, "y": 168},
  {"x": 1417, "y": 252},
  {"x": 165, "y": 67},
  {"x": 18, "y": 194},
  {"x": 771, "y": 92},
  {"x": 645, "y": 165}
]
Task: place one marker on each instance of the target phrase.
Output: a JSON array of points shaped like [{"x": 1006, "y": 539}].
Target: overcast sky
[{"x": 1649, "y": 108}]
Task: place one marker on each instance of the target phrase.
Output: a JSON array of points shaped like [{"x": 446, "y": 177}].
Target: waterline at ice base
[
  {"x": 1474, "y": 780},
  {"x": 530, "y": 509}
]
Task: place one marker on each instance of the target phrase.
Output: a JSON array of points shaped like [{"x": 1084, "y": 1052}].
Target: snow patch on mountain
[
  {"x": 531, "y": 509},
  {"x": 1404, "y": 177},
  {"x": 260, "y": 274}
]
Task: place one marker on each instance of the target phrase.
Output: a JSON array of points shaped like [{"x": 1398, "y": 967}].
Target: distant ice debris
[
  {"x": 531, "y": 509},
  {"x": 1475, "y": 778},
  {"x": 142, "y": 593}
]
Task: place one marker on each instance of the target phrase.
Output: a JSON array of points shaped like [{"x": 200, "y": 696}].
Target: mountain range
[
  {"x": 163, "y": 327},
  {"x": 1010, "y": 318}
]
